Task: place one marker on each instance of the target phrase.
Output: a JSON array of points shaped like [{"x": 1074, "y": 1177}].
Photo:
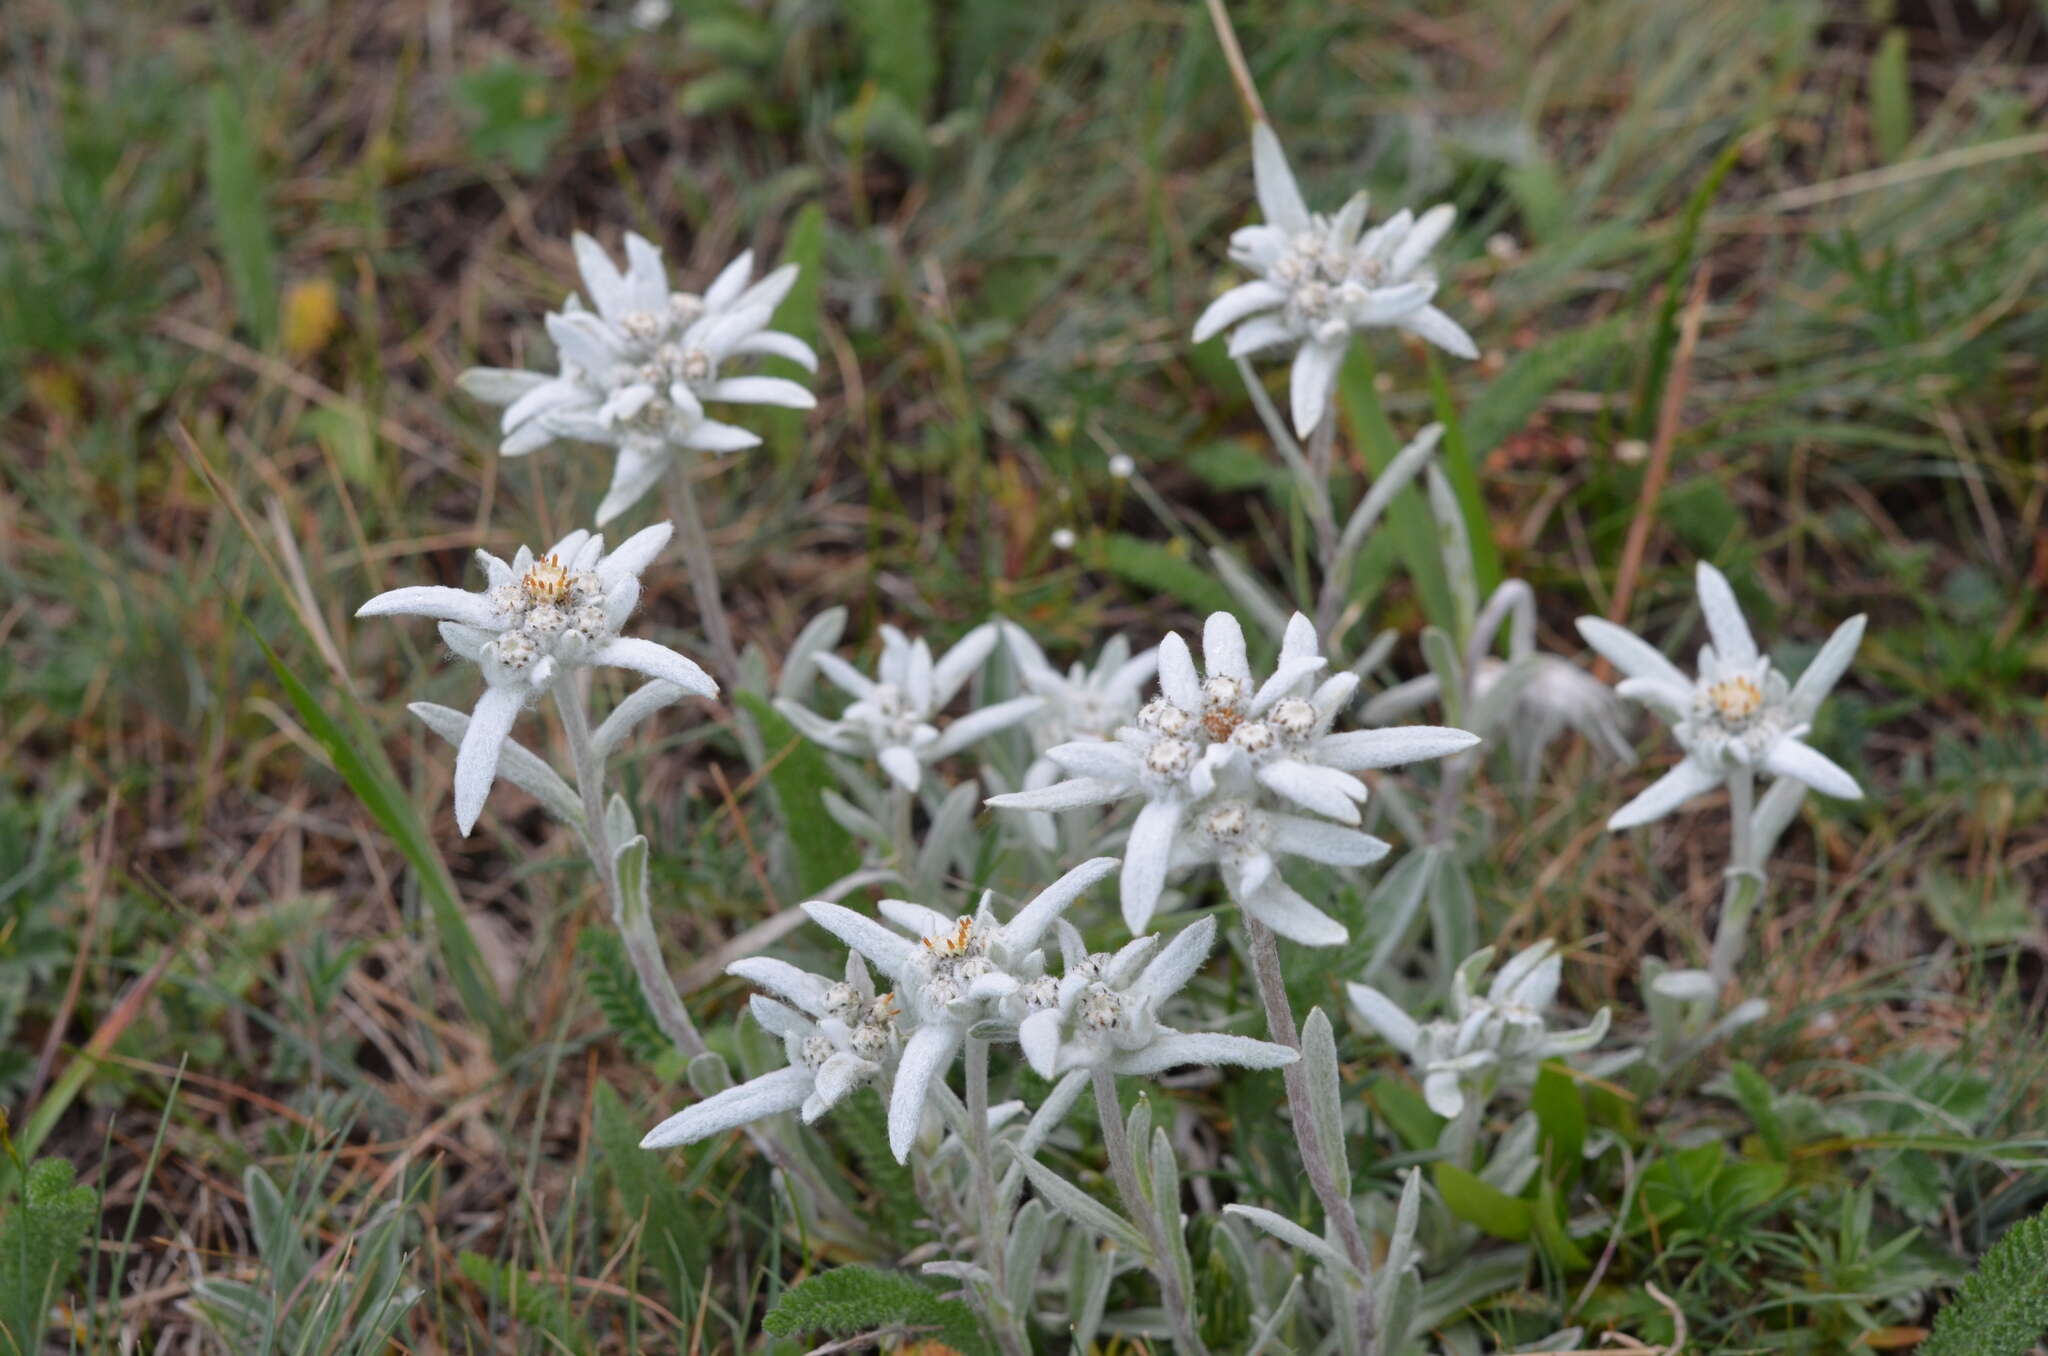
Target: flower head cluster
[
  {"x": 949, "y": 973},
  {"x": 637, "y": 371},
  {"x": 893, "y": 715},
  {"x": 1739, "y": 712},
  {"x": 1499, "y": 1038},
  {"x": 1103, "y": 1011},
  {"x": 1217, "y": 755},
  {"x": 837, "y": 1037},
  {"x": 1323, "y": 278},
  {"x": 539, "y": 619}
]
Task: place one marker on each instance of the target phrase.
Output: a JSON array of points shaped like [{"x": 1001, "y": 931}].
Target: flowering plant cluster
[{"x": 1248, "y": 763}]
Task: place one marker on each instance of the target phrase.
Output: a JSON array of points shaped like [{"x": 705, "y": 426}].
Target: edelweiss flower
[
  {"x": 538, "y": 620},
  {"x": 1738, "y": 713},
  {"x": 890, "y": 719},
  {"x": 1487, "y": 1041},
  {"x": 1103, "y": 1012},
  {"x": 636, "y": 372},
  {"x": 1321, "y": 280},
  {"x": 956, "y": 972},
  {"x": 1082, "y": 703},
  {"x": 838, "y": 1037},
  {"x": 1246, "y": 842},
  {"x": 1224, "y": 736}
]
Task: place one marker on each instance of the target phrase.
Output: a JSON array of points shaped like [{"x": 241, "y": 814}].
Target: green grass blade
[
  {"x": 241, "y": 215},
  {"x": 1408, "y": 521},
  {"x": 359, "y": 758}
]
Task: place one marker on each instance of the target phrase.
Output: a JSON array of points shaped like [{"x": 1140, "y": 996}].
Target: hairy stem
[
  {"x": 1008, "y": 1327},
  {"x": 636, "y": 930},
  {"x": 1743, "y": 885},
  {"x": 1124, "y": 1169},
  {"x": 1265, "y": 954},
  {"x": 703, "y": 570}
]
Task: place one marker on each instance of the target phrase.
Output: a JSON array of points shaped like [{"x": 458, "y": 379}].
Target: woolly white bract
[
  {"x": 636, "y": 372},
  {"x": 892, "y": 716},
  {"x": 1211, "y": 754},
  {"x": 1320, "y": 280},
  {"x": 538, "y": 620},
  {"x": 1739, "y": 712},
  {"x": 1499, "y": 1038}
]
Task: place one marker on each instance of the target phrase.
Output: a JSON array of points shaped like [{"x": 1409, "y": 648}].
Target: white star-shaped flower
[
  {"x": 837, "y": 1037},
  {"x": 1103, "y": 1011},
  {"x": 536, "y": 621},
  {"x": 1321, "y": 279},
  {"x": 1739, "y": 712},
  {"x": 950, "y": 973},
  {"x": 1499, "y": 1039},
  {"x": 892, "y": 716},
  {"x": 1221, "y": 736},
  {"x": 637, "y": 371}
]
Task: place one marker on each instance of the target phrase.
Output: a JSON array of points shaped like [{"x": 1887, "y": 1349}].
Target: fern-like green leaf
[
  {"x": 40, "y": 1240},
  {"x": 617, "y": 991},
  {"x": 861, "y": 1122},
  {"x": 853, "y": 1300},
  {"x": 2002, "y": 1310}
]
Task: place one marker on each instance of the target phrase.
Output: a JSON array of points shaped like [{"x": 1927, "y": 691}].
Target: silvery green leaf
[
  {"x": 1264, "y": 1339},
  {"x": 1476, "y": 1277},
  {"x": 950, "y": 827},
  {"x": 1390, "y": 482},
  {"x": 1325, "y": 1095},
  {"x": 629, "y": 863},
  {"x": 1441, "y": 654},
  {"x": 1564, "y": 1339},
  {"x": 1453, "y": 912},
  {"x": 1401, "y": 1243},
  {"x": 1400, "y": 1297},
  {"x": 965, "y": 1272},
  {"x": 1090, "y": 1270},
  {"x": 853, "y": 819},
  {"x": 1396, "y": 903},
  {"x": 1394, "y": 801},
  {"x": 516, "y": 764},
  {"x": 642, "y": 702},
  {"x": 1165, "y": 1175},
  {"x": 994, "y": 1030},
  {"x": 1020, "y": 1259},
  {"x": 1138, "y": 1134},
  {"x": 708, "y": 1074},
  {"x": 618, "y": 819},
  {"x": 1249, "y": 590},
  {"x": 820, "y": 633},
  {"x": 1774, "y": 813},
  {"x": 1296, "y": 1237},
  {"x": 1052, "y": 1111},
  {"x": 1375, "y": 653},
  {"x": 1456, "y": 545},
  {"x": 1083, "y": 1209}
]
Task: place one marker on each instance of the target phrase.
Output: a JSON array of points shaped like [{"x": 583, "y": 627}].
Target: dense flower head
[
  {"x": 1103, "y": 1011},
  {"x": 893, "y": 716},
  {"x": 1322, "y": 278},
  {"x": 950, "y": 972},
  {"x": 638, "y": 366},
  {"x": 1737, "y": 712},
  {"x": 1498, "y": 1038},
  {"x": 1217, "y": 754},
  {"x": 538, "y": 619},
  {"x": 837, "y": 1037}
]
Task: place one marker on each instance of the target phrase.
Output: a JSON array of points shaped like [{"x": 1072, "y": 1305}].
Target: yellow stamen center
[
  {"x": 547, "y": 581},
  {"x": 1736, "y": 699}
]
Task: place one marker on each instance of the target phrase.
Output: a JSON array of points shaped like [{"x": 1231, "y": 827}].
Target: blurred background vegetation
[{"x": 245, "y": 248}]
